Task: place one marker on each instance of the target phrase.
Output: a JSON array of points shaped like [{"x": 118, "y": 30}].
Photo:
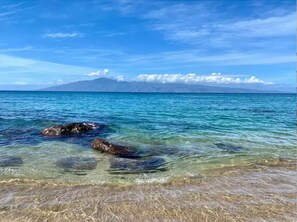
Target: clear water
[{"x": 181, "y": 128}]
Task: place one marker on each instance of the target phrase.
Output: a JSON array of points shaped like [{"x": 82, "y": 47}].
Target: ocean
[
  {"x": 194, "y": 133},
  {"x": 201, "y": 157}
]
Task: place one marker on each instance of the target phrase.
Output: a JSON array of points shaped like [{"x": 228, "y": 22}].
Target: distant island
[{"x": 113, "y": 85}]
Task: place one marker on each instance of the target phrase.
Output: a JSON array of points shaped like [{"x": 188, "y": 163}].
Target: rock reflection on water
[{"x": 261, "y": 193}]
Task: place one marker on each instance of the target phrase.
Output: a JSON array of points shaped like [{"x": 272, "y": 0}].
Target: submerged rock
[
  {"x": 228, "y": 147},
  {"x": 69, "y": 129},
  {"x": 77, "y": 163},
  {"x": 19, "y": 135},
  {"x": 262, "y": 110},
  {"x": 148, "y": 165},
  {"x": 119, "y": 150},
  {"x": 6, "y": 161}
]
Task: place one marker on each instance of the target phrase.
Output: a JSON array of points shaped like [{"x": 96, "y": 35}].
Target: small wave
[{"x": 152, "y": 180}]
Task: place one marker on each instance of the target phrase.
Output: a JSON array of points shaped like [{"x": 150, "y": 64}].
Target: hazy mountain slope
[{"x": 111, "y": 85}]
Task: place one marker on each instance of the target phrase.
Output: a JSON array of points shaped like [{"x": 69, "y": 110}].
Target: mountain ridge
[{"x": 111, "y": 85}]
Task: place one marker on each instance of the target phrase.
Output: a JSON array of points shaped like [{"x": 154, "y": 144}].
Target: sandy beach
[{"x": 255, "y": 193}]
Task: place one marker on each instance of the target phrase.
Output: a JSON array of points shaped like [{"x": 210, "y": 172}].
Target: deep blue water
[{"x": 191, "y": 132}]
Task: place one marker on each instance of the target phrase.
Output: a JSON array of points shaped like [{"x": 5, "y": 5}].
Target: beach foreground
[
  {"x": 254, "y": 193},
  {"x": 229, "y": 157}
]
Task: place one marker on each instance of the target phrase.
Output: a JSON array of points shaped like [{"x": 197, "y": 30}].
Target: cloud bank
[
  {"x": 98, "y": 73},
  {"x": 193, "y": 78}
]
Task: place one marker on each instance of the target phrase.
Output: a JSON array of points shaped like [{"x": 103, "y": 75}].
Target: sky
[{"x": 51, "y": 42}]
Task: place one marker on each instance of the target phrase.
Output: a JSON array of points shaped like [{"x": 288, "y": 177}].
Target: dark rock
[
  {"x": 149, "y": 165},
  {"x": 6, "y": 161},
  {"x": 77, "y": 163},
  {"x": 228, "y": 147},
  {"x": 119, "y": 150},
  {"x": 82, "y": 139},
  {"x": 69, "y": 129}
]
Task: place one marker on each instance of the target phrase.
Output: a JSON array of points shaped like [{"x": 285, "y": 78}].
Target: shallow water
[{"x": 193, "y": 133}]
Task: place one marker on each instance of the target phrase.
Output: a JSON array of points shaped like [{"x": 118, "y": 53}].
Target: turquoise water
[{"x": 193, "y": 133}]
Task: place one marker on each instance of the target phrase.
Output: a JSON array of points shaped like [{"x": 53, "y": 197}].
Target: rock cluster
[
  {"x": 68, "y": 129},
  {"x": 127, "y": 164},
  {"x": 127, "y": 159}
]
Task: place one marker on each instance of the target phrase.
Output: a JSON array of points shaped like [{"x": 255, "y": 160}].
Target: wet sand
[{"x": 256, "y": 193}]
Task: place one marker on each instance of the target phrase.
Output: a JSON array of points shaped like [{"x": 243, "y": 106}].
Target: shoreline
[{"x": 259, "y": 192}]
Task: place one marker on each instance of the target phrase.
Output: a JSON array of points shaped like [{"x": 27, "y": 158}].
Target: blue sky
[{"x": 44, "y": 43}]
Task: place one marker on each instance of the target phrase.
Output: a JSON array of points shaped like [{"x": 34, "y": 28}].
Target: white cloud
[
  {"x": 195, "y": 57},
  {"x": 97, "y": 73},
  {"x": 63, "y": 35},
  {"x": 206, "y": 26},
  {"x": 114, "y": 34},
  {"x": 17, "y": 69},
  {"x": 14, "y": 83},
  {"x": 22, "y": 49},
  {"x": 192, "y": 78},
  {"x": 10, "y": 12},
  {"x": 267, "y": 27}
]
